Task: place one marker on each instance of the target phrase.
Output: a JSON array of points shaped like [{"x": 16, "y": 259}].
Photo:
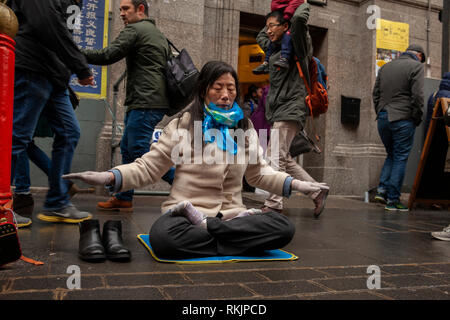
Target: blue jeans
[
  {"x": 398, "y": 139},
  {"x": 286, "y": 47},
  {"x": 137, "y": 138},
  {"x": 22, "y": 174},
  {"x": 33, "y": 92}
]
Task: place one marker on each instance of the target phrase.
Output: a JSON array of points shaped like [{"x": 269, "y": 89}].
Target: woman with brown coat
[{"x": 212, "y": 146}]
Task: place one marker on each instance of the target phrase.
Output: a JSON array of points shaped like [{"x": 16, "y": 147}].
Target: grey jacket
[
  {"x": 399, "y": 90},
  {"x": 286, "y": 97}
]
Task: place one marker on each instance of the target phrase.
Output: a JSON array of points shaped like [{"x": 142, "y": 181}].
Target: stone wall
[{"x": 352, "y": 157}]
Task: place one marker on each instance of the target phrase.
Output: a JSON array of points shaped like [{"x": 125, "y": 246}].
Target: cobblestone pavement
[{"x": 334, "y": 252}]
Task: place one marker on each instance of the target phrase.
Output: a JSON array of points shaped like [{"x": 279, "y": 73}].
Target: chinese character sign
[{"x": 90, "y": 32}]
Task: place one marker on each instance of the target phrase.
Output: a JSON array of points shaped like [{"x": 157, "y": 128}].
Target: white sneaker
[{"x": 443, "y": 235}]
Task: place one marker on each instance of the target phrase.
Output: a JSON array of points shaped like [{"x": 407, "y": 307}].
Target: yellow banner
[{"x": 392, "y": 35}]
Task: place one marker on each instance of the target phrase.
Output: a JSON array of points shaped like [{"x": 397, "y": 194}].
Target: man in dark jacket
[
  {"x": 285, "y": 107},
  {"x": 146, "y": 51},
  {"x": 46, "y": 57},
  {"x": 398, "y": 100}
]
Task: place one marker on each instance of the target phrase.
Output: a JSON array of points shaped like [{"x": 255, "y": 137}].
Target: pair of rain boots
[{"x": 94, "y": 247}]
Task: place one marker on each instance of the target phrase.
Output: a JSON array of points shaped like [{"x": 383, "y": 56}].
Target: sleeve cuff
[
  {"x": 287, "y": 190},
  {"x": 117, "y": 186}
]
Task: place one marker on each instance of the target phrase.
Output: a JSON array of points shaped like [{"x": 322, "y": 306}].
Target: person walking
[
  {"x": 146, "y": 51},
  {"x": 398, "y": 101},
  {"x": 46, "y": 57},
  {"x": 286, "y": 108}
]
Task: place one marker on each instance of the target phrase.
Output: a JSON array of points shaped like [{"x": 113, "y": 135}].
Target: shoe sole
[
  {"x": 380, "y": 200},
  {"x": 440, "y": 238},
  {"x": 116, "y": 209},
  {"x": 93, "y": 258},
  {"x": 395, "y": 209},
  {"x": 119, "y": 258},
  {"x": 24, "y": 225},
  {"x": 323, "y": 207},
  {"x": 46, "y": 218}
]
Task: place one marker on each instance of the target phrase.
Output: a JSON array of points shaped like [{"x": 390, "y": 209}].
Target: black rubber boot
[
  {"x": 91, "y": 248},
  {"x": 113, "y": 243}
]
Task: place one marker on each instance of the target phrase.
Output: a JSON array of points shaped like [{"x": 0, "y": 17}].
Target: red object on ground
[{"x": 7, "y": 60}]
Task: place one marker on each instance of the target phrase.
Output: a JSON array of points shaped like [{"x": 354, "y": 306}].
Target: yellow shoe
[{"x": 69, "y": 214}]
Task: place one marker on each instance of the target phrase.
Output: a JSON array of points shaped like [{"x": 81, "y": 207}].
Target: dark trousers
[{"x": 176, "y": 238}]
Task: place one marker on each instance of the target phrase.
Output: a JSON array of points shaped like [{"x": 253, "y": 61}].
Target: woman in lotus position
[{"x": 212, "y": 145}]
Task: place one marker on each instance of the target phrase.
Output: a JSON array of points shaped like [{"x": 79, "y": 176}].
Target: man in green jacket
[
  {"x": 286, "y": 108},
  {"x": 146, "y": 51}
]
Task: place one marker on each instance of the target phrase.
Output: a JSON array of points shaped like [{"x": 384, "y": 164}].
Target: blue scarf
[{"x": 222, "y": 120}]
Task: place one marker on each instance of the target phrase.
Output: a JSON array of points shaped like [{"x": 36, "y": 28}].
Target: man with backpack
[
  {"x": 286, "y": 108},
  {"x": 146, "y": 51}
]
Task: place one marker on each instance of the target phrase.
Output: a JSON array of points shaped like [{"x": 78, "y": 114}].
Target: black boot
[
  {"x": 113, "y": 243},
  {"x": 91, "y": 247}
]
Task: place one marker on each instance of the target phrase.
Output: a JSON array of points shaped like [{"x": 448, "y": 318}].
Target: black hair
[
  {"x": 137, "y": 3},
  {"x": 279, "y": 15},
  {"x": 210, "y": 72},
  {"x": 251, "y": 91}
]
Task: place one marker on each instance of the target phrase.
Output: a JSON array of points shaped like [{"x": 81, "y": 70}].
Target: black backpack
[{"x": 181, "y": 78}]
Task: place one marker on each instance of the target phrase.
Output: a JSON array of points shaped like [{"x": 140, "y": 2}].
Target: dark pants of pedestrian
[
  {"x": 174, "y": 237},
  {"x": 398, "y": 140},
  {"x": 137, "y": 138},
  {"x": 286, "y": 47},
  {"x": 33, "y": 92}
]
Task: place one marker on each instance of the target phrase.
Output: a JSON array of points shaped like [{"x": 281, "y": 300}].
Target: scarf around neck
[{"x": 222, "y": 120}]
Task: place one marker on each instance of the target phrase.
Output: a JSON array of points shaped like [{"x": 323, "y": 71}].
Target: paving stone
[
  {"x": 445, "y": 267},
  {"x": 344, "y": 296},
  {"x": 404, "y": 269},
  {"x": 418, "y": 294},
  {"x": 27, "y": 296},
  {"x": 225, "y": 277},
  {"x": 345, "y": 284},
  {"x": 115, "y": 294},
  {"x": 412, "y": 281},
  {"x": 284, "y": 288},
  {"x": 145, "y": 280},
  {"x": 52, "y": 283},
  {"x": 302, "y": 274},
  {"x": 345, "y": 271},
  {"x": 202, "y": 292}
]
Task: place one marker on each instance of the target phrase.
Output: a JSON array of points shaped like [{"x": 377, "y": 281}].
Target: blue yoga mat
[{"x": 271, "y": 255}]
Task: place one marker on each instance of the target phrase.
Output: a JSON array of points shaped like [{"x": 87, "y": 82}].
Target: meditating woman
[{"x": 212, "y": 145}]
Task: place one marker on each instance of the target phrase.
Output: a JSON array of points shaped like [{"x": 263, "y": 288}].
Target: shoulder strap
[
  {"x": 172, "y": 45},
  {"x": 302, "y": 76}
]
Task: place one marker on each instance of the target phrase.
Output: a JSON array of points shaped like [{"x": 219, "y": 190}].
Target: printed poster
[
  {"x": 91, "y": 33},
  {"x": 392, "y": 41}
]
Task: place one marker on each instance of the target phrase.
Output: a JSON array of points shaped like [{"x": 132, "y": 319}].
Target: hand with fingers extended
[
  {"x": 308, "y": 187},
  {"x": 91, "y": 177}
]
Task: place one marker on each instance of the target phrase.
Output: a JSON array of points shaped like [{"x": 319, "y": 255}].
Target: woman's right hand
[{"x": 93, "y": 178}]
